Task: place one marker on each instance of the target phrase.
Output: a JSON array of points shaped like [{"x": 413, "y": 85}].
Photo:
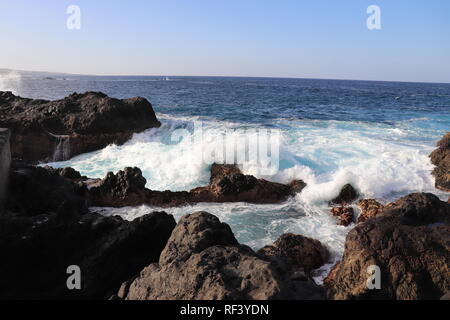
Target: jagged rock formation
[
  {"x": 46, "y": 228},
  {"x": 42, "y": 130},
  {"x": 346, "y": 196},
  {"x": 302, "y": 252},
  {"x": 409, "y": 241},
  {"x": 202, "y": 260},
  {"x": 369, "y": 209},
  {"x": 227, "y": 184}
]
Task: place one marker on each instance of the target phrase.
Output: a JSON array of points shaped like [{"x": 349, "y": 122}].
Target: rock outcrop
[
  {"x": 441, "y": 159},
  {"x": 46, "y": 228},
  {"x": 202, "y": 260},
  {"x": 344, "y": 215},
  {"x": 227, "y": 184},
  {"x": 301, "y": 252},
  {"x": 346, "y": 196},
  {"x": 409, "y": 241},
  {"x": 36, "y": 252},
  {"x": 35, "y": 191},
  {"x": 44, "y": 130},
  {"x": 369, "y": 209}
]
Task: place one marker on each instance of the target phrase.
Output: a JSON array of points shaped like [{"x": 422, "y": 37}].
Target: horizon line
[{"x": 219, "y": 76}]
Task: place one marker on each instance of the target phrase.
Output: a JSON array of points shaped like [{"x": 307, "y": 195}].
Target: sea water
[{"x": 375, "y": 135}]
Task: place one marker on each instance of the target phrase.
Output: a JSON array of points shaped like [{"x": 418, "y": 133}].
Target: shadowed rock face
[
  {"x": 409, "y": 241},
  {"x": 91, "y": 121},
  {"x": 202, "y": 260},
  {"x": 36, "y": 252},
  {"x": 227, "y": 184},
  {"x": 46, "y": 228},
  {"x": 302, "y": 252},
  {"x": 441, "y": 159}
]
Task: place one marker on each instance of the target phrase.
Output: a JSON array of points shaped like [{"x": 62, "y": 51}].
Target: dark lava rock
[
  {"x": 441, "y": 159},
  {"x": 345, "y": 215},
  {"x": 302, "y": 252},
  {"x": 227, "y": 184},
  {"x": 409, "y": 241},
  {"x": 47, "y": 228},
  {"x": 202, "y": 260},
  {"x": 79, "y": 123},
  {"x": 36, "y": 252},
  {"x": 125, "y": 188},
  {"x": 35, "y": 190},
  {"x": 347, "y": 195}
]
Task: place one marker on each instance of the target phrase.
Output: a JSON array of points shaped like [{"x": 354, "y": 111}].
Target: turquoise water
[{"x": 374, "y": 135}]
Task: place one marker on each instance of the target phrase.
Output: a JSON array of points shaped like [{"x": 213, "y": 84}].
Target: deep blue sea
[{"x": 374, "y": 135}]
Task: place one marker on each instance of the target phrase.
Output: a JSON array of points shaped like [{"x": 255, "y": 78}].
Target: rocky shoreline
[
  {"x": 46, "y": 225},
  {"x": 79, "y": 123}
]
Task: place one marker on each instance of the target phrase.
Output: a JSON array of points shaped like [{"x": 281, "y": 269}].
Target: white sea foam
[{"x": 11, "y": 81}]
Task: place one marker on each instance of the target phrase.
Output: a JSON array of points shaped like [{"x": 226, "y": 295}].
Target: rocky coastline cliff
[{"x": 46, "y": 224}]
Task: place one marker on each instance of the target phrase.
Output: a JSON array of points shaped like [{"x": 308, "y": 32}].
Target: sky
[{"x": 259, "y": 38}]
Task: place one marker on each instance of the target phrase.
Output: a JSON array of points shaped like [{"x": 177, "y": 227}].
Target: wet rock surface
[
  {"x": 80, "y": 122},
  {"x": 409, "y": 241}
]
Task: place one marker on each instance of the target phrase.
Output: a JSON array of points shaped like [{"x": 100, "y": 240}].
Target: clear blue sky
[{"x": 280, "y": 38}]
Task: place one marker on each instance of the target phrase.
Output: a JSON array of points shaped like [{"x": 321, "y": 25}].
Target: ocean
[{"x": 375, "y": 135}]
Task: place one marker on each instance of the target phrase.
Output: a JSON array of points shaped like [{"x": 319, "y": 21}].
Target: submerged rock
[
  {"x": 346, "y": 196},
  {"x": 302, "y": 252},
  {"x": 409, "y": 241},
  {"x": 46, "y": 228},
  {"x": 441, "y": 159},
  {"x": 42, "y": 129},
  {"x": 202, "y": 260}
]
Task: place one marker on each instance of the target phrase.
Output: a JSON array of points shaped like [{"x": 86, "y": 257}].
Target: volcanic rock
[
  {"x": 409, "y": 241},
  {"x": 343, "y": 214},
  {"x": 227, "y": 184},
  {"x": 347, "y": 195},
  {"x": 79, "y": 123},
  {"x": 202, "y": 260},
  {"x": 369, "y": 209}
]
